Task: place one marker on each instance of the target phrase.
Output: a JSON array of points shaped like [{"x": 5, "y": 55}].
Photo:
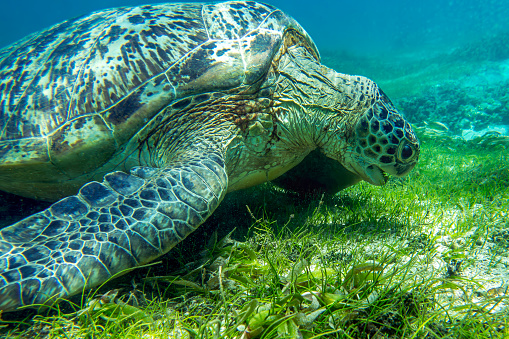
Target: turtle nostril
[{"x": 407, "y": 152}]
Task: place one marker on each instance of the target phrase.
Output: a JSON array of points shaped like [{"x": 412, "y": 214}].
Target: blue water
[{"x": 363, "y": 26}]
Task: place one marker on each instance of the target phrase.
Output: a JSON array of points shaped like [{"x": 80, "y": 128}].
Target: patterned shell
[
  {"x": 72, "y": 96},
  {"x": 105, "y": 75}
]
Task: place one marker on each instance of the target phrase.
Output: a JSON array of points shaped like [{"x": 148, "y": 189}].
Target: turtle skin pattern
[
  {"x": 143, "y": 118},
  {"x": 105, "y": 81},
  {"x": 125, "y": 221}
]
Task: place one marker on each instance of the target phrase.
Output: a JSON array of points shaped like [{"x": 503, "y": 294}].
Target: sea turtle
[{"x": 168, "y": 107}]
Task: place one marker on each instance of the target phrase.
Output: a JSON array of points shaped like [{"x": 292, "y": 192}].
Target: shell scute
[
  {"x": 233, "y": 20},
  {"x": 215, "y": 66},
  {"x": 259, "y": 48},
  {"x": 77, "y": 140},
  {"x": 86, "y": 65}
]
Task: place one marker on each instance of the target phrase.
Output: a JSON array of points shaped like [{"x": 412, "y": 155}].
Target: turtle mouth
[
  {"x": 372, "y": 174},
  {"x": 376, "y": 176}
]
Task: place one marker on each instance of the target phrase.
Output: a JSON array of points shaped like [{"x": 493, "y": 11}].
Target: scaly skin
[
  {"x": 243, "y": 100},
  {"x": 125, "y": 221}
]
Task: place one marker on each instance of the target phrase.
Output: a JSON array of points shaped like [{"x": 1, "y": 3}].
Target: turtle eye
[{"x": 406, "y": 152}]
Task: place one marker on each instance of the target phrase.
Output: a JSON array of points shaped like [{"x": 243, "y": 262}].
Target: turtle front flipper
[{"x": 125, "y": 221}]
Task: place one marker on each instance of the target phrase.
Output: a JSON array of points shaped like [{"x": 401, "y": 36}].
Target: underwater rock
[
  {"x": 470, "y": 134},
  {"x": 460, "y": 107}
]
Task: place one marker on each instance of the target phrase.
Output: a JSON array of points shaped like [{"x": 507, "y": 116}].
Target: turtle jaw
[
  {"x": 376, "y": 176},
  {"x": 372, "y": 174},
  {"x": 366, "y": 171},
  {"x": 379, "y": 175}
]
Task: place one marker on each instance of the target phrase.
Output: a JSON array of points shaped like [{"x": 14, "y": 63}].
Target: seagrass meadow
[{"x": 422, "y": 257}]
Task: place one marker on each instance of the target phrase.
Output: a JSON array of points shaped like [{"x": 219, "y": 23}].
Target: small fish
[{"x": 440, "y": 125}]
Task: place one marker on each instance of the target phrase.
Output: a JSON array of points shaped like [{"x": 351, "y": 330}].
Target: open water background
[{"x": 364, "y": 26}]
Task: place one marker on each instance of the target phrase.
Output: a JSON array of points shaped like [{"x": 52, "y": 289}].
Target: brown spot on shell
[{"x": 121, "y": 112}]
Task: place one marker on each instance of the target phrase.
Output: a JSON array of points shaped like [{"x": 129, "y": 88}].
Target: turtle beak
[
  {"x": 380, "y": 175},
  {"x": 375, "y": 175},
  {"x": 371, "y": 173},
  {"x": 400, "y": 170}
]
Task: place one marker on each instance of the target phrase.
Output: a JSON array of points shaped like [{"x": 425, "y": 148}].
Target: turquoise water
[{"x": 364, "y": 26}]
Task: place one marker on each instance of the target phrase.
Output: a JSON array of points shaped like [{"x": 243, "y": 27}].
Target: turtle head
[
  {"x": 379, "y": 141},
  {"x": 382, "y": 143}
]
